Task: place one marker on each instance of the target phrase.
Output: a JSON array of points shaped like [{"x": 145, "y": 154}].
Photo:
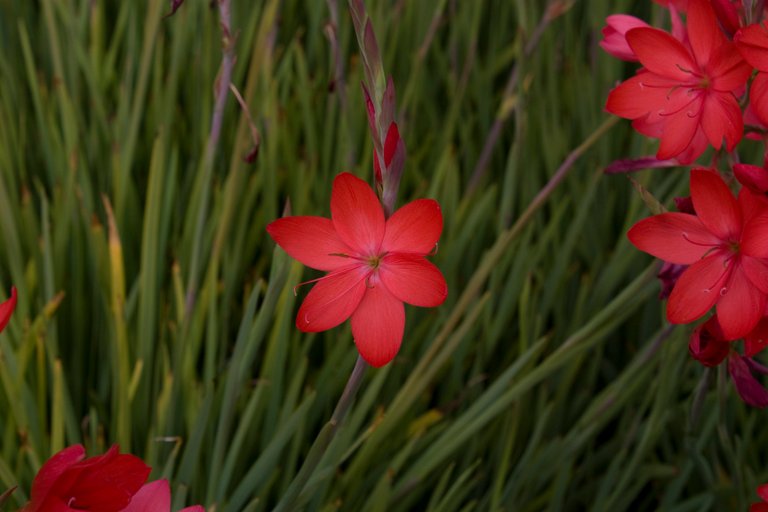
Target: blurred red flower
[
  {"x": 375, "y": 264},
  {"x": 70, "y": 482},
  {"x": 725, "y": 246},
  {"x": 6, "y": 309},
  {"x": 762, "y": 491},
  {"x": 684, "y": 94}
]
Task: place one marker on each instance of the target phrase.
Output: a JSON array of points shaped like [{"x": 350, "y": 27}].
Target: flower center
[{"x": 373, "y": 261}]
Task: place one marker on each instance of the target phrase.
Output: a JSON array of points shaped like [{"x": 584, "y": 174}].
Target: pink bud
[{"x": 614, "y": 35}]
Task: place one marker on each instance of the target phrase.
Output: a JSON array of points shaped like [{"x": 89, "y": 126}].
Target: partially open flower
[{"x": 707, "y": 344}]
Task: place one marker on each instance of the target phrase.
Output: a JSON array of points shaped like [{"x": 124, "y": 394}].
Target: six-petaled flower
[{"x": 374, "y": 265}]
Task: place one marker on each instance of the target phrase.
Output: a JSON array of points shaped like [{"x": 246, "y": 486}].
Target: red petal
[
  {"x": 754, "y": 238},
  {"x": 311, "y": 240},
  {"x": 644, "y": 93},
  {"x": 715, "y": 204},
  {"x": 661, "y": 53},
  {"x": 6, "y": 309},
  {"x": 762, "y": 491},
  {"x": 675, "y": 237},
  {"x": 756, "y": 341},
  {"x": 729, "y": 70},
  {"x": 749, "y": 389},
  {"x": 740, "y": 306},
  {"x": 756, "y": 270},
  {"x": 703, "y": 32},
  {"x": 414, "y": 228},
  {"x": 357, "y": 214},
  {"x": 332, "y": 300},
  {"x": 393, "y": 137},
  {"x": 758, "y": 507},
  {"x": 752, "y": 177},
  {"x": 413, "y": 279},
  {"x": 378, "y": 325},
  {"x": 698, "y": 289},
  {"x": 752, "y": 42},
  {"x": 152, "y": 497},
  {"x": 758, "y": 97},
  {"x": 721, "y": 119},
  {"x": 51, "y": 471},
  {"x": 680, "y": 129}
]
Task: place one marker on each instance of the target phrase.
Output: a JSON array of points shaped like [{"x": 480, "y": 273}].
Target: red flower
[
  {"x": 374, "y": 265},
  {"x": 6, "y": 309},
  {"x": 155, "y": 497},
  {"x": 725, "y": 244},
  {"x": 707, "y": 345},
  {"x": 70, "y": 482},
  {"x": 685, "y": 94},
  {"x": 762, "y": 491}
]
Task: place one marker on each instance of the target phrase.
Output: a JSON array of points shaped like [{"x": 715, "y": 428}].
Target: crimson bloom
[
  {"x": 68, "y": 482},
  {"x": 762, "y": 491},
  {"x": 725, "y": 244},
  {"x": 374, "y": 265},
  {"x": 684, "y": 95},
  {"x": 155, "y": 497},
  {"x": 6, "y": 309}
]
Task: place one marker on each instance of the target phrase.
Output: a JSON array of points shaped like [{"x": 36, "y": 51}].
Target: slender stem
[
  {"x": 323, "y": 439},
  {"x": 504, "y": 112},
  {"x": 222, "y": 88}
]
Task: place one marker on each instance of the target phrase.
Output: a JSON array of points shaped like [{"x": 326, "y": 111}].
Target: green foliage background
[{"x": 547, "y": 381}]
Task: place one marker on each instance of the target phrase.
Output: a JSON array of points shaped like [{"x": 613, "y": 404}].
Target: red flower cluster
[
  {"x": 113, "y": 482},
  {"x": 687, "y": 92},
  {"x": 374, "y": 265},
  {"x": 691, "y": 92}
]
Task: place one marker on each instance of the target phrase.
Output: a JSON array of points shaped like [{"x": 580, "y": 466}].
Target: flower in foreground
[
  {"x": 70, "y": 482},
  {"x": 684, "y": 95},
  {"x": 725, "y": 244},
  {"x": 762, "y": 491},
  {"x": 6, "y": 309},
  {"x": 374, "y": 265}
]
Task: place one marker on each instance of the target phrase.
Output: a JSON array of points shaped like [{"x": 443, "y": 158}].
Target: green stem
[{"x": 323, "y": 439}]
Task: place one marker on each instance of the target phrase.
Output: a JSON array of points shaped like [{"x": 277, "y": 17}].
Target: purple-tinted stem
[
  {"x": 498, "y": 124},
  {"x": 221, "y": 93}
]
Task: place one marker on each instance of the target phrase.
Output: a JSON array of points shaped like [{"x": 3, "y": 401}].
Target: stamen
[
  {"x": 700, "y": 244},
  {"x": 434, "y": 250},
  {"x": 726, "y": 270}
]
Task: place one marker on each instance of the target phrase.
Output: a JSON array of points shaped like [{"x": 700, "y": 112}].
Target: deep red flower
[
  {"x": 68, "y": 482},
  {"x": 374, "y": 265},
  {"x": 762, "y": 491},
  {"x": 155, "y": 497},
  {"x": 6, "y": 309},
  {"x": 707, "y": 344},
  {"x": 725, "y": 244},
  {"x": 684, "y": 95}
]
